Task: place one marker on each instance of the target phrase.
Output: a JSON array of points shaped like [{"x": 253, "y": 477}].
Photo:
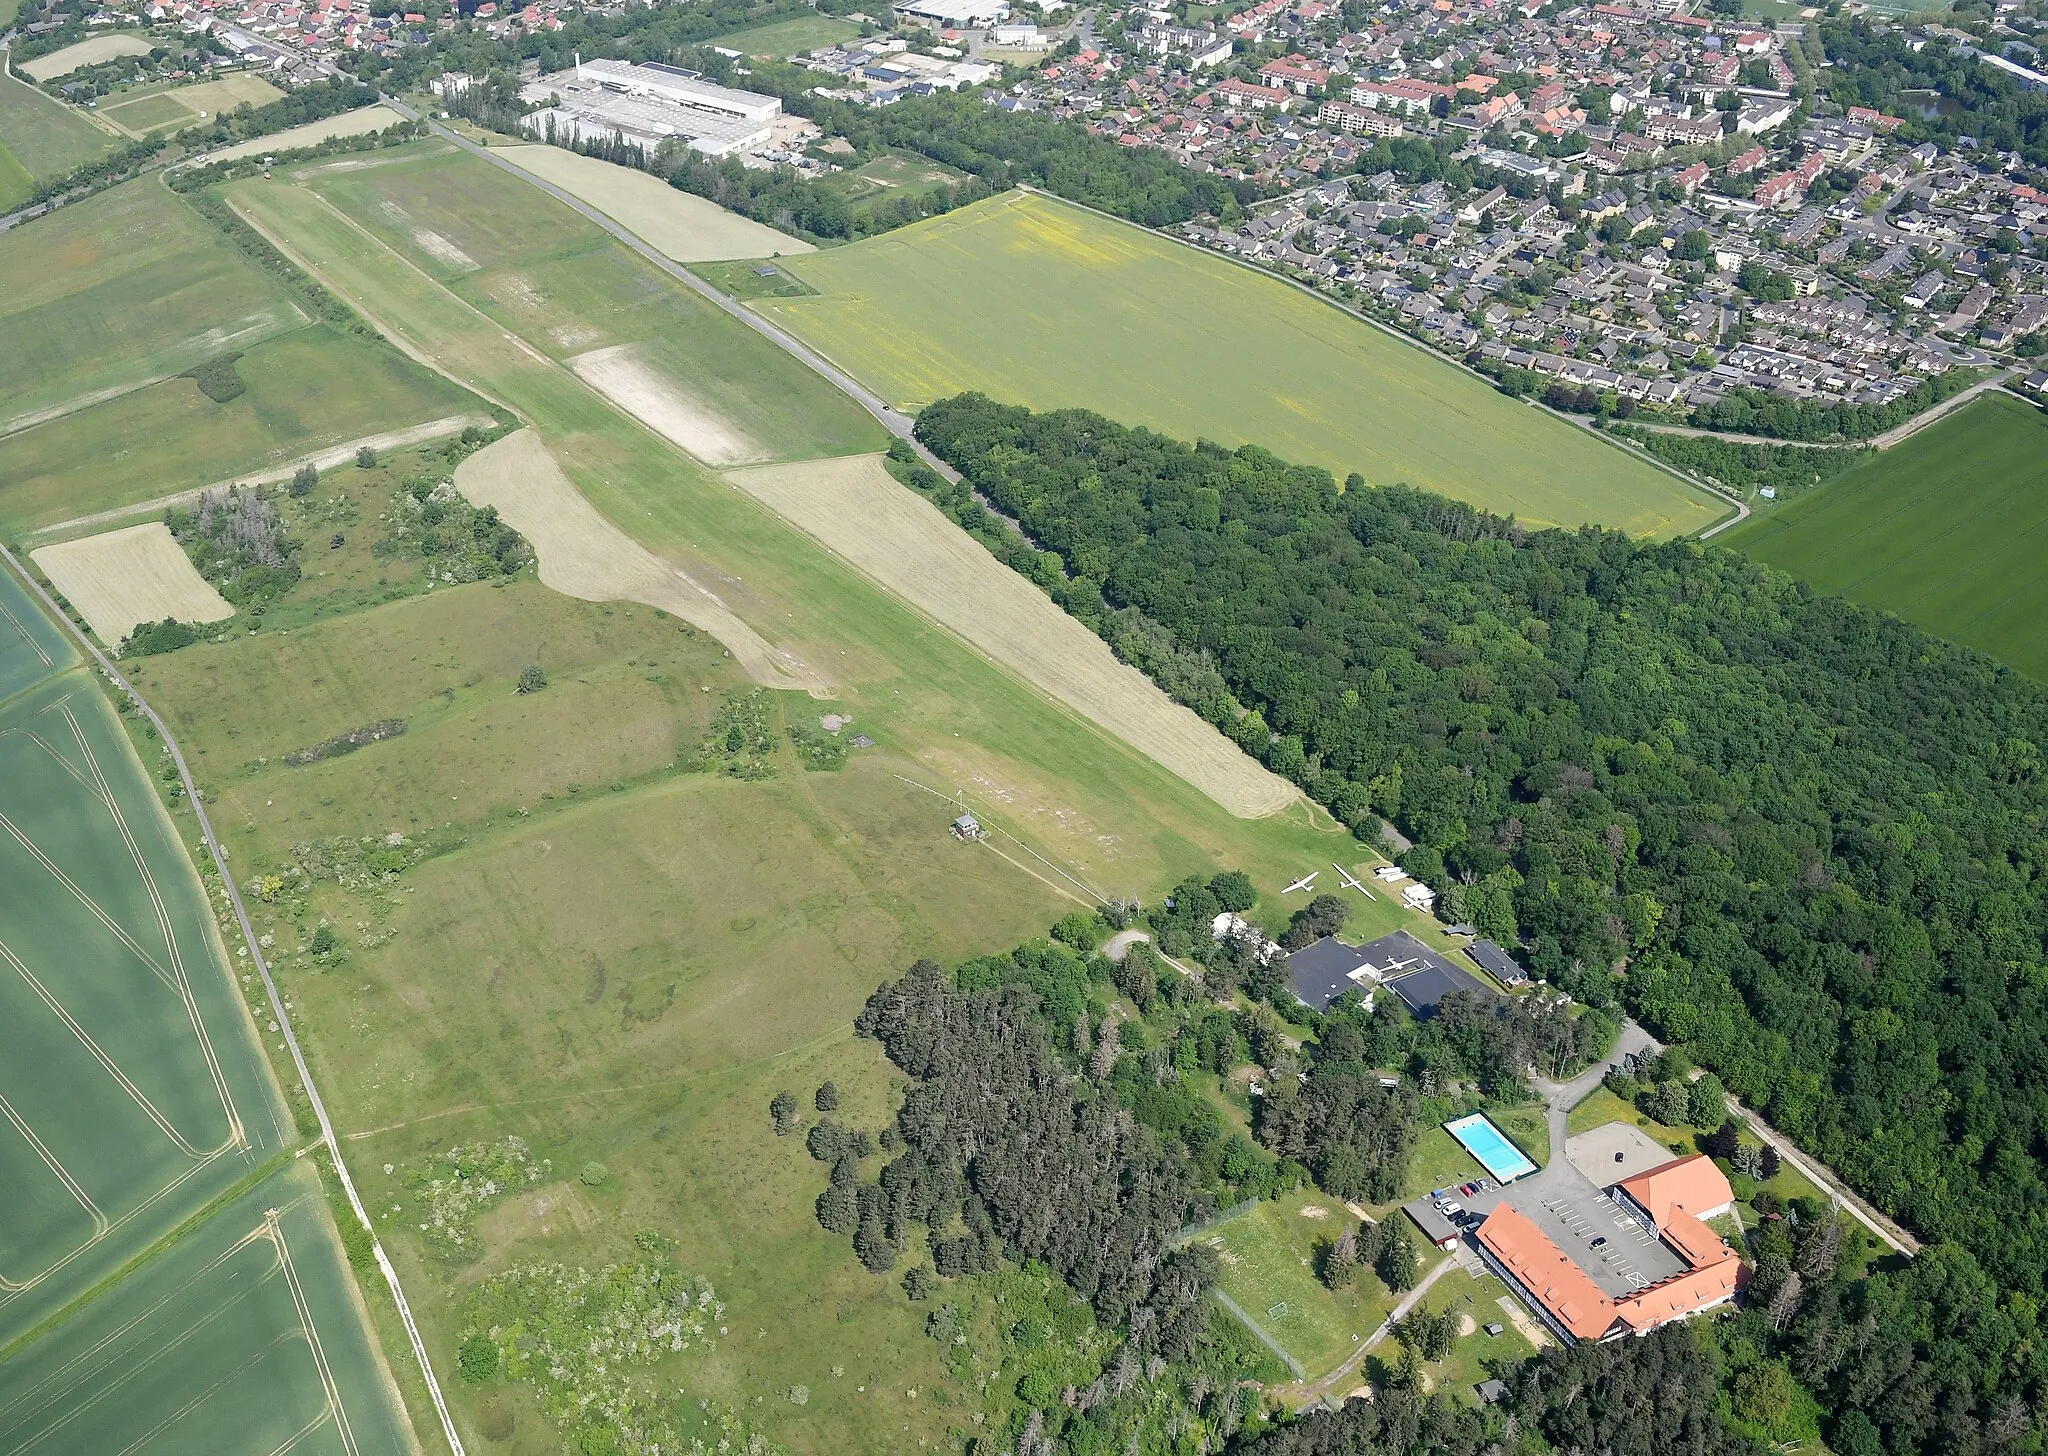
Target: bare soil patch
[
  {"x": 121, "y": 579},
  {"x": 656, "y": 401},
  {"x": 857, "y": 509},
  {"x": 584, "y": 555},
  {"x": 681, "y": 225}
]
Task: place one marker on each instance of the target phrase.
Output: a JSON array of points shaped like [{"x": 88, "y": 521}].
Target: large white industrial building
[{"x": 650, "y": 104}]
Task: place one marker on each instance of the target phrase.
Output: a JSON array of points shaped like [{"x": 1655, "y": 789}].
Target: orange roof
[
  {"x": 1686, "y": 1294},
  {"x": 1565, "y": 1289},
  {"x": 1693, "y": 1184},
  {"x": 1695, "y": 1242}
]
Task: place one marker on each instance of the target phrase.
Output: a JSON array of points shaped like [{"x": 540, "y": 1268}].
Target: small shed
[
  {"x": 1492, "y": 1392},
  {"x": 967, "y": 827}
]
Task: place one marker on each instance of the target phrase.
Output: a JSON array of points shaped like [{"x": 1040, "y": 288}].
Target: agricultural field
[
  {"x": 311, "y": 391},
  {"x": 789, "y": 37},
  {"x": 85, "y": 53},
  {"x": 118, "y": 580},
  {"x": 40, "y": 138},
  {"x": 586, "y": 940},
  {"x": 147, "y": 110},
  {"x": 118, "y": 291},
  {"x": 1268, "y": 1270},
  {"x": 1030, "y": 300},
  {"x": 680, "y": 225},
  {"x": 242, "y": 1338},
  {"x": 359, "y": 122},
  {"x": 1948, "y": 530}
]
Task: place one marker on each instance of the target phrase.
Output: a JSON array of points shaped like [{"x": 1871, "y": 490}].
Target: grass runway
[
  {"x": 1032, "y": 301},
  {"x": 1949, "y": 530}
]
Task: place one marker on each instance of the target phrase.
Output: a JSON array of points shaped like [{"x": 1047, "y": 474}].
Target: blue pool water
[{"x": 1501, "y": 1158}]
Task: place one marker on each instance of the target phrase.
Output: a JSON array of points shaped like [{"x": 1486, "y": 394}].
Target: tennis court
[{"x": 1500, "y": 1157}]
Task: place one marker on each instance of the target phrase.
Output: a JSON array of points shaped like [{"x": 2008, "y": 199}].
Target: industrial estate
[{"x": 1023, "y": 728}]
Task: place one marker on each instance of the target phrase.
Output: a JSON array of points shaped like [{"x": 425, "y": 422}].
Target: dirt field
[
  {"x": 349, "y": 123},
  {"x": 857, "y": 509},
  {"x": 584, "y": 555},
  {"x": 85, "y": 53},
  {"x": 656, "y": 402},
  {"x": 686, "y": 227},
  {"x": 124, "y": 578}
]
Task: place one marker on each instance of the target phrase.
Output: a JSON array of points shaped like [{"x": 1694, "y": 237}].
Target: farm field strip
[
  {"x": 680, "y": 225},
  {"x": 349, "y": 123},
  {"x": 85, "y": 53},
  {"x": 854, "y": 507},
  {"x": 1030, "y": 300},
  {"x": 120, "y": 579},
  {"x": 1946, "y": 529}
]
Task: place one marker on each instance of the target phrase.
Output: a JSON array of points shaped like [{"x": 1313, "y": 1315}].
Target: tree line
[{"x": 1800, "y": 836}]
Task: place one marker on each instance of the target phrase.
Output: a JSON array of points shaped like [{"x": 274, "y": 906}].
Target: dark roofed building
[
  {"x": 1320, "y": 973},
  {"x": 1435, "y": 1227},
  {"x": 1417, "y": 974},
  {"x": 1496, "y": 962}
]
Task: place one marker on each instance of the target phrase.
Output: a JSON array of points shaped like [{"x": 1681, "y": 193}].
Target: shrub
[
  {"x": 827, "y": 1099},
  {"x": 532, "y": 679},
  {"x": 478, "y": 1360},
  {"x": 782, "y": 1108},
  {"x": 150, "y": 638},
  {"x": 918, "y": 1282},
  {"x": 304, "y": 479},
  {"x": 594, "y": 1175},
  {"x": 324, "y": 939},
  {"x": 366, "y": 458},
  {"x": 217, "y": 379}
]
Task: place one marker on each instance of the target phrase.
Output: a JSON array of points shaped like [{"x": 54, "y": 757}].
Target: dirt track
[
  {"x": 584, "y": 555},
  {"x": 857, "y": 509},
  {"x": 124, "y": 578}
]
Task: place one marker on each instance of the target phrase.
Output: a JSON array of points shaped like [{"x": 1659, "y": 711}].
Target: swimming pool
[{"x": 1491, "y": 1147}]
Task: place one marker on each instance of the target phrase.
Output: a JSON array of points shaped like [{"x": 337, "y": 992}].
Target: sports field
[
  {"x": 241, "y": 1339},
  {"x": 1267, "y": 1257},
  {"x": 40, "y": 138},
  {"x": 309, "y": 390},
  {"x": 118, "y": 290},
  {"x": 1030, "y": 300},
  {"x": 1949, "y": 530},
  {"x": 788, "y": 37},
  {"x": 164, "y": 107}
]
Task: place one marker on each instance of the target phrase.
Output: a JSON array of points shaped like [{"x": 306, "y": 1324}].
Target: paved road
[
  {"x": 284, "y": 1022},
  {"x": 891, "y": 419}
]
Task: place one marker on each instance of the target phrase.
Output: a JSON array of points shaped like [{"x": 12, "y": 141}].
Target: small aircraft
[
  {"x": 1350, "y": 882},
  {"x": 1303, "y": 883}
]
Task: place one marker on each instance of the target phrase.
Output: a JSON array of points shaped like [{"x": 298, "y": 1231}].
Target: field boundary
[
  {"x": 1416, "y": 344},
  {"x": 234, "y": 894},
  {"x": 1259, "y": 1332}
]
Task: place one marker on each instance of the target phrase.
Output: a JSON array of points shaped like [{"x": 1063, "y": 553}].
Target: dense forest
[{"x": 1799, "y": 836}]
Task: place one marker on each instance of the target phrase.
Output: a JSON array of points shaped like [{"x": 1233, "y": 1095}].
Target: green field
[
  {"x": 308, "y": 390},
  {"x": 603, "y": 950},
  {"x": 1030, "y": 300},
  {"x": 118, "y": 290},
  {"x": 1268, "y": 1269},
  {"x": 240, "y": 1338},
  {"x": 40, "y": 138},
  {"x": 788, "y": 37},
  {"x": 1948, "y": 530},
  {"x": 893, "y": 174}
]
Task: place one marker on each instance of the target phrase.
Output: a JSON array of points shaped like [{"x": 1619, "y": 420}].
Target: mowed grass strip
[
  {"x": 1032, "y": 301},
  {"x": 1949, "y": 530},
  {"x": 309, "y": 390},
  {"x": 119, "y": 290},
  {"x": 230, "y": 1341}
]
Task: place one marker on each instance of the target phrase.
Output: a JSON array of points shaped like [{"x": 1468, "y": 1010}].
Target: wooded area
[{"x": 1799, "y": 836}]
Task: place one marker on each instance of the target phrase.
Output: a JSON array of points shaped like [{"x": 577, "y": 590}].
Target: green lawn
[
  {"x": 311, "y": 389},
  {"x": 147, "y": 113},
  {"x": 1475, "y": 1355},
  {"x": 1949, "y": 530},
  {"x": 1267, "y": 1264},
  {"x": 788, "y": 37},
  {"x": 1528, "y": 1128},
  {"x": 1437, "y": 1162},
  {"x": 1034, "y": 301},
  {"x": 748, "y": 280},
  {"x": 893, "y": 174},
  {"x": 16, "y": 186},
  {"x": 45, "y": 137},
  {"x": 118, "y": 290}
]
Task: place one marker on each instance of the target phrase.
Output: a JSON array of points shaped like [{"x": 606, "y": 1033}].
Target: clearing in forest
[
  {"x": 584, "y": 555},
  {"x": 1036, "y": 302},
  {"x": 858, "y": 510},
  {"x": 121, "y": 579},
  {"x": 1949, "y": 530},
  {"x": 678, "y": 224},
  {"x": 623, "y": 377}
]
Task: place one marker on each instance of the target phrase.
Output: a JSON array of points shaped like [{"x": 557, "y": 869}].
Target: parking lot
[{"x": 1614, "y": 1151}]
